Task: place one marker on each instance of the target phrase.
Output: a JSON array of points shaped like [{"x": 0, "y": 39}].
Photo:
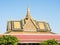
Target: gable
[{"x": 29, "y": 26}]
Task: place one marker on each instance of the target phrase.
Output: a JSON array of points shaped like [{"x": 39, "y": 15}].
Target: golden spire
[{"x": 28, "y": 13}]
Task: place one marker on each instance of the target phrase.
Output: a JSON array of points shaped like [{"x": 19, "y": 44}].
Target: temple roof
[
  {"x": 23, "y": 38},
  {"x": 28, "y": 25}
]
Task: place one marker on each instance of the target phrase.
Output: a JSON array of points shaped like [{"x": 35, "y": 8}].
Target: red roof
[{"x": 36, "y": 38}]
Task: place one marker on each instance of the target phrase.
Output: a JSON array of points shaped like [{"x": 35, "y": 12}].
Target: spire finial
[{"x": 28, "y": 13}]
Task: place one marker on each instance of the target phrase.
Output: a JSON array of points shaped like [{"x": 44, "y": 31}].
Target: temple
[
  {"x": 28, "y": 25},
  {"x": 30, "y": 31}
]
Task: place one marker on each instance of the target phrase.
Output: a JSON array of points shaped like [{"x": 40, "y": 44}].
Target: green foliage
[
  {"x": 50, "y": 42},
  {"x": 59, "y": 43},
  {"x": 8, "y": 40}
]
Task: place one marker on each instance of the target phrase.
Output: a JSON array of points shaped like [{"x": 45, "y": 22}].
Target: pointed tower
[
  {"x": 29, "y": 22},
  {"x": 28, "y": 13}
]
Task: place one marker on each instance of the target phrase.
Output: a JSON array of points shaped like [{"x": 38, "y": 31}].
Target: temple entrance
[{"x": 28, "y": 43}]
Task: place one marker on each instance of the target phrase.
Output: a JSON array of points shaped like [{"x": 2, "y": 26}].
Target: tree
[
  {"x": 8, "y": 40},
  {"x": 50, "y": 42}
]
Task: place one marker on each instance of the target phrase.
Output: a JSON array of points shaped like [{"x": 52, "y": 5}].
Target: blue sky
[{"x": 43, "y": 10}]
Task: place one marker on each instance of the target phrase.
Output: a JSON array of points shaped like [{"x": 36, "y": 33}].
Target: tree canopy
[
  {"x": 50, "y": 42},
  {"x": 8, "y": 40}
]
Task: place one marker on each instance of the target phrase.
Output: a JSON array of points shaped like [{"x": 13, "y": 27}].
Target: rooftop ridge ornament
[{"x": 28, "y": 13}]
